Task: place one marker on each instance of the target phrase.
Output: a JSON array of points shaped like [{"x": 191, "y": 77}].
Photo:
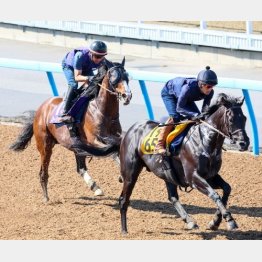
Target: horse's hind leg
[
  {"x": 174, "y": 199},
  {"x": 45, "y": 148},
  {"x": 218, "y": 182},
  {"x": 82, "y": 170}
]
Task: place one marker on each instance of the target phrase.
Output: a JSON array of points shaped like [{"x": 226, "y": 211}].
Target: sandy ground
[{"x": 74, "y": 213}]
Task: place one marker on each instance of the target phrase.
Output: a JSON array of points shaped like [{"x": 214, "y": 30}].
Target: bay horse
[
  {"x": 99, "y": 131},
  {"x": 196, "y": 165}
]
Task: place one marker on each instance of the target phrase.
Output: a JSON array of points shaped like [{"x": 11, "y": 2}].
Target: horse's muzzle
[
  {"x": 127, "y": 98},
  {"x": 242, "y": 141},
  {"x": 243, "y": 144}
]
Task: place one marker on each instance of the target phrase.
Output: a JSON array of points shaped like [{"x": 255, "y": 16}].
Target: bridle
[
  {"x": 115, "y": 74},
  {"x": 230, "y": 133}
]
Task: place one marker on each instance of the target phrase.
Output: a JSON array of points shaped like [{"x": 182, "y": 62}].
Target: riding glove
[{"x": 198, "y": 117}]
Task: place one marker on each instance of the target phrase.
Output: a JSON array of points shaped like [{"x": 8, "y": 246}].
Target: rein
[
  {"x": 201, "y": 121},
  {"x": 111, "y": 92},
  {"x": 215, "y": 129}
]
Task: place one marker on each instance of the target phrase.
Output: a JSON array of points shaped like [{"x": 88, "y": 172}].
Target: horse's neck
[
  {"x": 206, "y": 140},
  {"x": 212, "y": 139},
  {"x": 103, "y": 112},
  {"x": 106, "y": 103}
]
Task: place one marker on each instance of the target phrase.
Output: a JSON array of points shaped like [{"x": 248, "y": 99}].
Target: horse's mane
[
  {"x": 116, "y": 64},
  {"x": 221, "y": 100},
  {"x": 93, "y": 88}
]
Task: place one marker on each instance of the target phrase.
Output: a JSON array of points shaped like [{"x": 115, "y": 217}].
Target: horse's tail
[
  {"x": 82, "y": 149},
  {"x": 25, "y": 136}
]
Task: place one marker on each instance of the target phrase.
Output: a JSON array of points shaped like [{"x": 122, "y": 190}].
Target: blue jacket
[
  {"x": 186, "y": 91},
  {"x": 80, "y": 59}
]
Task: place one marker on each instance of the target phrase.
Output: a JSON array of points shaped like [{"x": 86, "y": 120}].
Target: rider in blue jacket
[
  {"x": 79, "y": 66},
  {"x": 179, "y": 96}
]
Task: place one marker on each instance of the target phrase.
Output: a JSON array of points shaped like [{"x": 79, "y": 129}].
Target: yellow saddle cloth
[{"x": 150, "y": 141}]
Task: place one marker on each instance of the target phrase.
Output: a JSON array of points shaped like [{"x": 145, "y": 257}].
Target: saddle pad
[
  {"x": 150, "y": 141},
  {"x": 76, "y": 111},
  {"x": 56, "y": 113}
]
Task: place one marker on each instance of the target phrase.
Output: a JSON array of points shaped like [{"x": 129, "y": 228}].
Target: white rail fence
[{"x": 192, "y": 36}]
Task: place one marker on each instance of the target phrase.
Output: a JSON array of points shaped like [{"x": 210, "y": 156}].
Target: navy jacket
[
  {"x": 186, "y": 91},
  {"x": 80, "y": 59}
]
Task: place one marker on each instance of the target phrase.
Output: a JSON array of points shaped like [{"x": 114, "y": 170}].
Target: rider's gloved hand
[
  {"x": 198, "y": 117},
  {"x": 90, "y": 78}
]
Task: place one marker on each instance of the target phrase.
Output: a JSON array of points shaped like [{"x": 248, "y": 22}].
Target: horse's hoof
[
  {"x": 212, "y": 226},
  {"x": 232, "y": 225},
  {"x": 124, "y": 232},
  {"x": 99, "y": 192},
  {"x": 192, "y": 225},
  {"x": 120, "y": 179},
  {"x": 46, "y": 199}
]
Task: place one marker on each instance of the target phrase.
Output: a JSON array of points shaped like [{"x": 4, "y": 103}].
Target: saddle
[
  {"x": 176, "y": 136},
  {"x": 80, "y": 103}
]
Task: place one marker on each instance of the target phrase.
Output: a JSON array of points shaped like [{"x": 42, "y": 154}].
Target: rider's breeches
[{"x": 70, "y": 77}]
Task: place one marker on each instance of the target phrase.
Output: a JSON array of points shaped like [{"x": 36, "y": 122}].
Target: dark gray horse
[{"x": 197, "y": 165}]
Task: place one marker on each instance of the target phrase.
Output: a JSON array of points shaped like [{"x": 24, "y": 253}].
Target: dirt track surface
[{"x": 74, "y": 213}]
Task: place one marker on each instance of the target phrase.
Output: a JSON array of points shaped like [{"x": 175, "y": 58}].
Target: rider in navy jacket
[
  {"x": 179, "y": 96},
  {"x": 184, "y": 91}
]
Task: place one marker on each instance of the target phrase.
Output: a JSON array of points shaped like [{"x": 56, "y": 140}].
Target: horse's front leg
[
  {"x": 174, "y": 199},
  {"x": 82, "y": 170},
  {"x": 218, "y": 182},
  {"x": 201, "y": 184}
]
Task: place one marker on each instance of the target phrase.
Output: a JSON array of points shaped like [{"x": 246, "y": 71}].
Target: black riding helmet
[
  {"x": 207, "y": 76},
  {"x": 98, "y": 48}
]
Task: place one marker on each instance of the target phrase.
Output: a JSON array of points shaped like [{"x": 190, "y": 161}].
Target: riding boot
[
  {"x": 165, "y": 130},
  {"x": 70, "y": 95}
]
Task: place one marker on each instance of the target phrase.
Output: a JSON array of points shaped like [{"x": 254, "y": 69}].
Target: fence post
[
  {"x": 52, "y": 83},
  {"x": 147, "y": 100},
  {"x": 253, "y": 122}
]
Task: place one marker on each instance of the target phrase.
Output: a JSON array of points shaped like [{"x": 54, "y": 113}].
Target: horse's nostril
[
  {"x": 124, "y": 95},
  {"x": 242, "y": 144}
]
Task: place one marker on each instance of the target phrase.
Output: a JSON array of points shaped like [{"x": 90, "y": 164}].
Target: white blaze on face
[{"x": 127, "y": 91}]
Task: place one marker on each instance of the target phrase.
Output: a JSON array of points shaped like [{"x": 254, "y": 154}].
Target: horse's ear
[
  {"x": 108, "y": 64},
  {"x": 241, "y": 100},
  {"x": 222, "y": 99},
  {"x": 123, "y": 61}
]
